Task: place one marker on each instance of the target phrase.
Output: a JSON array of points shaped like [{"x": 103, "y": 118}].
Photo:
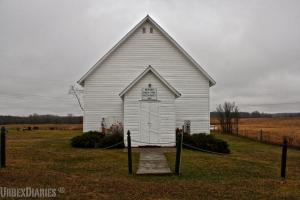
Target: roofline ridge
[{"x": 98, "y": 63}]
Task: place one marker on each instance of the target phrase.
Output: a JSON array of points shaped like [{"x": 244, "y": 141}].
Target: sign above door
[{"x": 149, "y": 93}]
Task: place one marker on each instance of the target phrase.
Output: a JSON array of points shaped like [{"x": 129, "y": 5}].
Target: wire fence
[
  {"x": 268, "y": 137},
  {"x": 203, "y": 150},
  {"x": 114, "y": 145},
  {"x": 184, "y": 144},
  {"x": 154, "y": 144}
]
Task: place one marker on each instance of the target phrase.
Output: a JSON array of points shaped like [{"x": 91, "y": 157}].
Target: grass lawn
[{"x": 46, "y": 159}]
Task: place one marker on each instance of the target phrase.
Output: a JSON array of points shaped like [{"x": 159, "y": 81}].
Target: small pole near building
[
  {"x": 129, "y": 152},
  {"x": 2, "y": 148},
  {"x": 179, "y": 137},
  {"x": 283, "y": 157}
]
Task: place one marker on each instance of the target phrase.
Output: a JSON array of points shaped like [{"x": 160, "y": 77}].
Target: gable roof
[
  {"x": 146, "y": 71},
  {"x": 149, "y": 19}
]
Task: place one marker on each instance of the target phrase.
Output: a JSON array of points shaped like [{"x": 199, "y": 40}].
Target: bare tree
[
  {"x": 236, "y": 119},
  {"x": 228, "y": 116},
  {"x": 221, "y": 117},
  {"x": 76, "y": 93}
]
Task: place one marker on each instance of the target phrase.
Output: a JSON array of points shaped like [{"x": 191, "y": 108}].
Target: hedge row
[
  {"x": 206, "y": 142},
  {"x": 95, "y": 139}
]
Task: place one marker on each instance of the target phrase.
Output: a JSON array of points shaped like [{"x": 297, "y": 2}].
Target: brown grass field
[
  {"x": 45, "y": 126},
  {"x": 273, "y": 129}
]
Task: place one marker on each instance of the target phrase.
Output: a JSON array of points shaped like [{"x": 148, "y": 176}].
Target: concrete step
[{"x": 153, "y": 162}]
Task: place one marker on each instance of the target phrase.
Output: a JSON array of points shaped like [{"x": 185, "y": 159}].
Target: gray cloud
[{"x": 250, "y": 48}]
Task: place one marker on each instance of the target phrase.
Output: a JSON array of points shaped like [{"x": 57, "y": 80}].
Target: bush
[
  {"x": 87, "y": 140},
  {"x": 110, "y": 140},
  {"x": 95, "y": 139},
  {"x": 206, "y": 142}
]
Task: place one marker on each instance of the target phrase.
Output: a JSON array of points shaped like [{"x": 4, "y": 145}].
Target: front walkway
[{"x": 153, "y": 161}]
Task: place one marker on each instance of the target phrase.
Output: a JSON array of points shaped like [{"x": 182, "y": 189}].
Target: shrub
[
  {"x": 87, "y": 140},
  {"x": 110, "y": 140},
  {"x": 206, "y": 142},
  {"x": 95, "y": 139}
]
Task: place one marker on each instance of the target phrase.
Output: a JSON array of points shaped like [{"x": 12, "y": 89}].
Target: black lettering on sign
[{"x": 149, "y": 93}]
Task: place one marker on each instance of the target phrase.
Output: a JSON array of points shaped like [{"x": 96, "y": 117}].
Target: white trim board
[{"x": 150, "y": 69}]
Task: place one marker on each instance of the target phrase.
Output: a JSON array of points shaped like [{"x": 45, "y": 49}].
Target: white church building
[{"x": 150, "y": 84}]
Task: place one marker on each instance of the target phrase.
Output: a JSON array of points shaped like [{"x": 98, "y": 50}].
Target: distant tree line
[
  {"x": 70, "y": 119},
  {"x": 40, "y": 119},
  {"x": 257, "y": 114}
]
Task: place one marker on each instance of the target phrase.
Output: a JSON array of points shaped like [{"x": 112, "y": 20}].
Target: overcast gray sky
[{"x": 251, "y": 48}]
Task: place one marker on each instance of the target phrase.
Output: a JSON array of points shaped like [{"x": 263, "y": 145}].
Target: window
[
  {"x": 144, "y": 30},
  {"x": 151, "y": 30}
]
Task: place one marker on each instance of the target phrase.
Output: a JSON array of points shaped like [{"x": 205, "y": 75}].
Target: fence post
[
  {"x": 179, "y": 137},
  {"x": 283, "y": 158},
  {"x": 129, "y": 152},
  {"x": 2, "y": 148}
]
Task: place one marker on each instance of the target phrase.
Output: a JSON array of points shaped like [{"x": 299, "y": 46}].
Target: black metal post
[
  {"x": 179, "y": 137},
  {"x": 283, "y": 158},
  {"x": 261, "y": 135},
  {"x": 2, "y": 148},
  {"x": 129, "y": 152}
]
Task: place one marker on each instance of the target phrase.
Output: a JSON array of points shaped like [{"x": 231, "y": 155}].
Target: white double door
[{"x": 149, "y": 123}]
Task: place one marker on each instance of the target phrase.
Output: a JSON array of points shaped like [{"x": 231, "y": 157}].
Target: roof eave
[
  {"x": 212, "y": 83},
  {"x": 210, "y": 79},
  {"x": 111, "y": 50}
]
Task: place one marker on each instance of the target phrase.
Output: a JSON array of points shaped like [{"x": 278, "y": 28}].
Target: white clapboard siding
[
  {"x": 102, "y": 87},
  {"x": 166, "y": 136}
]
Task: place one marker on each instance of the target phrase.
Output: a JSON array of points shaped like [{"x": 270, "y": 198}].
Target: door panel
[
  {"x": 149, "y": 122},
  {"x": 154, "y": 122},
  {"x": 144, "y": 130}
]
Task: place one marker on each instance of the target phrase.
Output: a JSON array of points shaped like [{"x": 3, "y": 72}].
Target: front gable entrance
[
  {"x": 149, "y": 122},
  {"x": 149, "y": 110}
]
